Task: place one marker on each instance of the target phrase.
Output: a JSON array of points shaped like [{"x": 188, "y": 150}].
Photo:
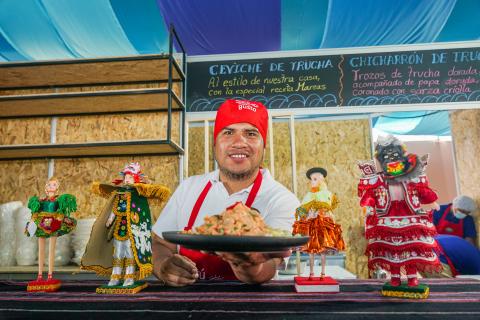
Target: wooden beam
[
  {"x": 92, "y": 102},
  {"x": 86, "y": 72},
  {"x": 97, "y": 149}
]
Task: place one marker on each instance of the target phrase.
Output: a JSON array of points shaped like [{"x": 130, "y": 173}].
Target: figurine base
[
  {"x": 316, "y": 284},
  {"x": 51, "y": 285},
  {"x": 404, "y": 291},
  {"x": 134, "y": 288}
]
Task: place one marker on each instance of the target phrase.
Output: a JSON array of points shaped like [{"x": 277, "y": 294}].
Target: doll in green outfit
[
  {"x": 120, "y": 241},
  {"x": 50, "y": 219}
]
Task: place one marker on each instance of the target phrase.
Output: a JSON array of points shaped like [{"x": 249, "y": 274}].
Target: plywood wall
[
  {"x": 116, "y": 127},
  {"x": 23, "y": 179},
  {"x": 77, "y": 176},
  {"x": 465, "y": 126},
  {"x": 24, "y": 131},
  {"x": 334, "y": 145}
]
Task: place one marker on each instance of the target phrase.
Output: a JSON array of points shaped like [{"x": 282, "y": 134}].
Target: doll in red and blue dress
[{"x": 397, "y": 201}]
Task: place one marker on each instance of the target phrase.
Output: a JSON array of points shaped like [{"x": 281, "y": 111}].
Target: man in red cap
[{"x": 240, "y": 134}]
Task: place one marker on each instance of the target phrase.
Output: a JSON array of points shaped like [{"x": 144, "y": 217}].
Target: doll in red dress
[
  {"x": 399, "y": 228},
  {"x": 314, "y": 218}
]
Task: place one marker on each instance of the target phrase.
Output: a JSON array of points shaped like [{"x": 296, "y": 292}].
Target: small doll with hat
[
  {"x": 120, "y": 243},
  {"x": 50, "y": 219},
  {"x": 314, "y": 219}
]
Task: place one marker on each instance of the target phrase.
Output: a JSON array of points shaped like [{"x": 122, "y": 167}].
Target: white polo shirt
[{"x": 275, "y": 203}]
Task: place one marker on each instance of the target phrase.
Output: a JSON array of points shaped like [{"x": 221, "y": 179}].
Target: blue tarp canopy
[{"x": 64, "y": 29}]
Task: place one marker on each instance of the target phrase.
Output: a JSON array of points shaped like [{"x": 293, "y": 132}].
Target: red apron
[
  {"x": 446, "y": 227},
  {"x": 211, "y": 267}
]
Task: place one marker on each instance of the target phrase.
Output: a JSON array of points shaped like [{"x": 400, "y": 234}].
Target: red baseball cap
[{"x": 239, "y": 111}]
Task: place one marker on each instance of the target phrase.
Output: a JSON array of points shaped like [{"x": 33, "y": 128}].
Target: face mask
[{"x": 459, "y": 215}]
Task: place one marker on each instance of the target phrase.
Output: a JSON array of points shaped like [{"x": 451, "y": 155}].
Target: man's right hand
[
  {"x": 177, "y": 271},
  {"x": 173, "y": 269}
]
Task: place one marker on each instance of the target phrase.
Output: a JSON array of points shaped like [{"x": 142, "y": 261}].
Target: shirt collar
[{"x": 214, "y": 176}]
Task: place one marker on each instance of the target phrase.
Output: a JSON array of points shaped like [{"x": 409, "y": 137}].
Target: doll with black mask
[{"x": 397, "y": 201}]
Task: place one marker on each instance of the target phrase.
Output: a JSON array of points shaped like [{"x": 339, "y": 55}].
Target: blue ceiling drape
[
  {"x": 242, "y": 25},
  {"x": 59, "y": 29},
  {"x": 103, "y": 36},
  {"x": 384, "y": 22},
  {"x": 463, "y": 23},
  {"x": 33, "y": 36},
  {"x": 143, "y": 24},
  {"x": 67, "y": 29},
  {"x": 7, "y": 52},
  {"x": 303, "y": 23}
]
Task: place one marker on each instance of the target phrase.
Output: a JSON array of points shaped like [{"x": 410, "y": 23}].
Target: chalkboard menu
[{"x": 366, "y": 79}]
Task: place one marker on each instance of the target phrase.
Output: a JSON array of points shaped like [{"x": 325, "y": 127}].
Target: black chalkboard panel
[
  {"x": 412, "y": 77},
  {"x": 299, "y": 82},
  {"x": 407, "y": 77}
]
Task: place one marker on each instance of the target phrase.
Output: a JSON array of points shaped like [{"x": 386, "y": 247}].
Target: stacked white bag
[
  {"x": 26, "y": 247},
  {"x": 7, "y": 233},
  {"x": 80, "y": 237}
]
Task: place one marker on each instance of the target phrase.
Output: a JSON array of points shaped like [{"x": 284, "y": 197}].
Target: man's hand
[
  {"x": 175, "y": 270},
  {"x": 254, "y": 267}
]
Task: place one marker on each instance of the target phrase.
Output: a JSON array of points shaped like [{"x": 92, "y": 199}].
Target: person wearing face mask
[
  {"x": 456, "y": 219},
  {"x": 239, "y": 137}
]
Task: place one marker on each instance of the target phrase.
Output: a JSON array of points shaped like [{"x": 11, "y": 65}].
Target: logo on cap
[{"x": 242, "y": 104}]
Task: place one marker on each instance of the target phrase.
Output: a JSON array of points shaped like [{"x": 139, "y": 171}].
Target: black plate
[{"x": 234, "y": 243}]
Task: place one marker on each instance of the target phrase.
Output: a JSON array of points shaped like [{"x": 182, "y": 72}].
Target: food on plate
[{"x": 238, "y": 220}]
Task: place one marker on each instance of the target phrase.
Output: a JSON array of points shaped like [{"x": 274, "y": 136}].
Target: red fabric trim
[
  {"x": 383, "y": 248},
  {"x": 408, "y": 231},
  {"x": 421, "y": 265},
  {"x": 197, "y": 206},
  {"x": 253, "y": 192}
]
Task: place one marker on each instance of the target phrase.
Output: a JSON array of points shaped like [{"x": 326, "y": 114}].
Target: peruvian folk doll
[
  {"x": 120, "y": 241},
  {"x": 314, "y": 219},
  {"x": 50, "y": 219},
  {"x": 398, "y": 228}
]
